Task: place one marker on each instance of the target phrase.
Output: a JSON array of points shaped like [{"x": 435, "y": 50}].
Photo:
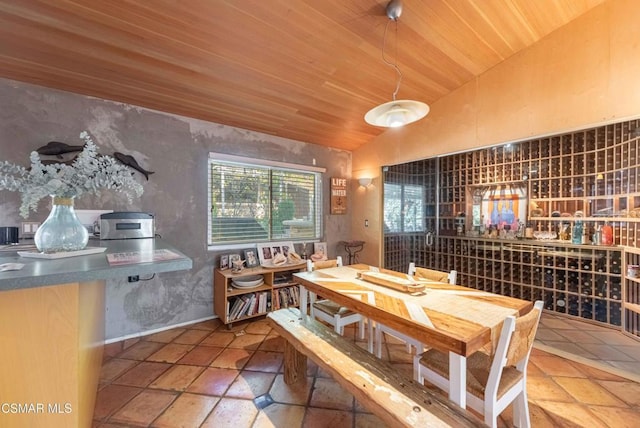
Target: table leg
[{"x": 458, "y": 379}]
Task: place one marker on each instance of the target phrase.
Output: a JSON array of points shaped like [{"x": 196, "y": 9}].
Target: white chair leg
[
  {"x": 370, "y": 337},
  {"x": 378, "y": 341},
  {"x": 490, "y": 419},
  {"x": 361, "y": 328},
  {"x": 339, "y": 328},
  {"x": 409, "y": 348},
  {"x": 417, "y": 374},
  {"x": 521, "y": 411}
]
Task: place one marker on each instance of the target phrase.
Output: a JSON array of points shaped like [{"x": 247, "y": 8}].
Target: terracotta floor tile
[
  {"x": 177, "y": 378},
  {"x": 557, "y": 366},
  {"x": 627, "y": 391},
  {"x": 249, "y": 385},
  {"x": 207, "y": 325},
  {"x": 165, "y": 336},
  {"x": 626, "y": 366},
  {"x": 291, "y": 394},
  {"x": 111, "y": 398},
  {"x": 188, "y": 410},
  {"x": 140, "y": 350},
  {"x": 329, "y": 394},
  {"x": 115, "y": 367},
  {"x": 606, "y": 352},
  {"x": 201, "y": 355},
  {"x": 191, "y": 337},
  {"x": 280, "y": 415},
  {"x": 571, "y": 348},
  {"x": 632, "y": 351},
  {"x": 272, "y": 343},
  {"x": 613, "y": 337},
  {"x": 554, "y": 383},
  {"x": 218, "y": 338},
  {"x": 538, "y": 417},
  {"x": 543, "y": 388},
  {"x": 368, "y": 420},
  {"x": 569, "y": 415},
  {"x": 587, "y": 391},
  {"x": 320, "y": 418},
  {"x": 398, "y": 354},
  {"x": 247, "y": 341},
  {"x": 616, "y": 417},
  {"x": 259, "y": 327},
  {"x": 597, "y": 374},
  {"x": 213, "y": 381},
  {"x": 170, "y": 353},
  {"x": 546, "y": 334},
  {"x": 264, "y": 361},
  {"x": 144, "y": 407},
  {"x": 111, "y": 350},
  {"x": 142, "y": 374},
  {"x": 127, "y": 343},
  {"x": 578, "y": 336},
  {"x": 554, "y": 322},
  {"x": 232, "y": 359},
  {"x": 231, "y": 412}
]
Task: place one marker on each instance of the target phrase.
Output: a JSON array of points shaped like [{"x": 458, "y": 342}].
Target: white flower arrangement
[{"x": 88, "y": 173}]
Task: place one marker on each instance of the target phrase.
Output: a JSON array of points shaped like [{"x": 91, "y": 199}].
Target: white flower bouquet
[{"x": 88, "y": 173}]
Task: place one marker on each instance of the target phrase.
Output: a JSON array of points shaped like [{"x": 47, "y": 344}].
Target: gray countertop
[{"x": 42, "y": 272}]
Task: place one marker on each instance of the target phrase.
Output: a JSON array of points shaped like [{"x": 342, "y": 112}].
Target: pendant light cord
[{"x": 389, "y": 63}]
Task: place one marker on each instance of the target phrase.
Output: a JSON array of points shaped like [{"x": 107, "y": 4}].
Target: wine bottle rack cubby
[{"x": 590, "y": 176}]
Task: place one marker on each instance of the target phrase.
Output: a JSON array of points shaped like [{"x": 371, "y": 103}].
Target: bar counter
[{"x": 52, "y": 316}]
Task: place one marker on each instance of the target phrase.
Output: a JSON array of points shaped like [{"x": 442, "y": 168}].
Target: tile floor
[
  {"x": 591, "y": 344},
  {"x": 204, "y": 375}
]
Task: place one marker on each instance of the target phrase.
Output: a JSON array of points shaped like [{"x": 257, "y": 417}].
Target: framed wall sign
[{"x": 338, "y": 195}]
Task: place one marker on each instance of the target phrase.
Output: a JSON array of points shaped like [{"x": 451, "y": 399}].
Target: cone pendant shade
[{"x": 396, "y": 113}]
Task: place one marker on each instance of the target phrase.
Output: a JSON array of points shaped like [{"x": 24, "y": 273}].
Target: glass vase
[{"x": 62, "y": 230}]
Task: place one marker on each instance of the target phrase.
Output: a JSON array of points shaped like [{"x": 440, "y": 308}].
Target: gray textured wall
[{"x": 176, "y": 148}]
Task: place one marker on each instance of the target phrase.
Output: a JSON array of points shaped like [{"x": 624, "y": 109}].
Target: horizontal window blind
[{"x": 261, "y": 203}]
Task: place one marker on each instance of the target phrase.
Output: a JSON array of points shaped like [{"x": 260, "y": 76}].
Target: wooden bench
[{"x": 376, "y": 384}]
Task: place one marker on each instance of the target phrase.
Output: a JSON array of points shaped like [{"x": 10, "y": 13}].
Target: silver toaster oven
[{"x": 127, "y": 225}]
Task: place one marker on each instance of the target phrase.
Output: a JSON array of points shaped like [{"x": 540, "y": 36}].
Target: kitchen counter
[
  {"x": 52, "y": 318},
  {"x": 41, "y": 272}
]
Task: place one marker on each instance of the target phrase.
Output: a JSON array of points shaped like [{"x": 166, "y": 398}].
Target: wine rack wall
[
  {"x": 577, "y": 280},
  {"x": 631, "y": 293},
  {"x": 591, "y": 176}
]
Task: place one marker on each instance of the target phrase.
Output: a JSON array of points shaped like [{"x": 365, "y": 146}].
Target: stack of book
[{"x": 249, "y": 304}]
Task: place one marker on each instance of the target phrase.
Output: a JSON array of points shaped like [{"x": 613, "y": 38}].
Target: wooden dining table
[{"x": 451, "y": 318}]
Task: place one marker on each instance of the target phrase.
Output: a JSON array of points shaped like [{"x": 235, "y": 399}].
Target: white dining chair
[
  {"x": 435, "y": 275},
  {"x": 334, "y": 314},
  {"x": 492, "y": 383}
]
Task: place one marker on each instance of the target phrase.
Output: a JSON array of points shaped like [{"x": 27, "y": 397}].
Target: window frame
[{"x": 222, "y": 158}]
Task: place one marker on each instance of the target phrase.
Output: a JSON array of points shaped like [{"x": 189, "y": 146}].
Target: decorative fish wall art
[
  {"x": 130, "y": 161},
  {"x": 57, "y": 149}
]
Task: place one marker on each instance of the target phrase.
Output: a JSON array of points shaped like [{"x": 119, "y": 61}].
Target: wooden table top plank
[{"x": 447, "y": 317}]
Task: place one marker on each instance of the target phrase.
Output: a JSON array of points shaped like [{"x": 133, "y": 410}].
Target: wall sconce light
[{"x": 364, "y": 182}]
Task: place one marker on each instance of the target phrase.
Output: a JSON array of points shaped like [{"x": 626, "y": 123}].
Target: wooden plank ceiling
[{"x": 302, "y": 69}]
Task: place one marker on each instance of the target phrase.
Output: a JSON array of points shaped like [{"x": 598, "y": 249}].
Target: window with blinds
[{"x": 257, "y": 201}]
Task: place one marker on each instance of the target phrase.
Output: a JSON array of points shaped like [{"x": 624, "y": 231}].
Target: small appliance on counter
[
  {"x": 127, "y": 225},
  {"x": 9, "y": 235}
]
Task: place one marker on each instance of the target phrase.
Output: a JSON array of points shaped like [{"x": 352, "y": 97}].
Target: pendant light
[{"x": 397, "y": 112}]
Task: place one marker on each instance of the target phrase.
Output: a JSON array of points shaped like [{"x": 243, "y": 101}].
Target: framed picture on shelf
[
  {"x": 320, "y": 248},
  {"x": 251, "y": 258},
  {"x": 234, "y": 258},
  {"x": 224, "y": 261},
  {"x": 267, "y": 251}
]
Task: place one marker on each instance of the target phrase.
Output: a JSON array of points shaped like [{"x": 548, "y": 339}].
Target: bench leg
[{"x": 295, "y": 364}]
